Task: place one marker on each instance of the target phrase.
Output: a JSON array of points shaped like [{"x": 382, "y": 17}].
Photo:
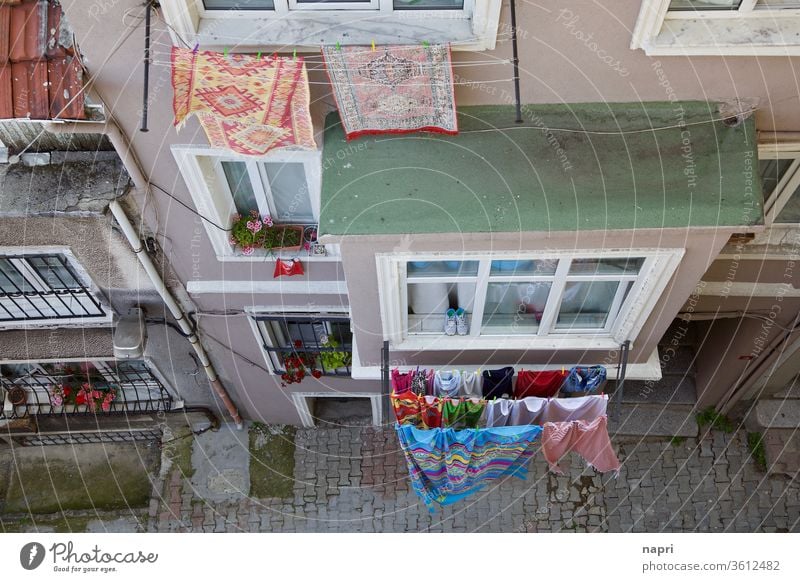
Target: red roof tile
[{"x": 39, "y": 77}]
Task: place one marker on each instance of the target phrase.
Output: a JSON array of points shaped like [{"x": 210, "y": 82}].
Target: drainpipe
[{"x": 121, "y": 145}]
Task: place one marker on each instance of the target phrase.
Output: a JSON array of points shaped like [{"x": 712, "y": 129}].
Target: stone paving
[{"x": 354, "y": 480}]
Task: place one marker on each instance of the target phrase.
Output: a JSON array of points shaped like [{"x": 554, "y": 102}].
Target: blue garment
[
  {"x": 447, "y": 465},
  {"x": 584, "y": 379}
]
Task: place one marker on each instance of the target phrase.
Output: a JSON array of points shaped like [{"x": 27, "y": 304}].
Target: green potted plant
[
  {"x": 333, "y": 360},
  {"x": 251, "y": 232}
]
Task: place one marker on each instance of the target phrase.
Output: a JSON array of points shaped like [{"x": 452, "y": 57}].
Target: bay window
[{"x": 537, "y": 298}]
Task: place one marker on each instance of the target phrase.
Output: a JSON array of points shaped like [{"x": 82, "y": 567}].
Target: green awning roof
[{"x": 500, "y": 176}]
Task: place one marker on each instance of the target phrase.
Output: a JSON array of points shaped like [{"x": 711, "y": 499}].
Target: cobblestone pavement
[{"x": 354, "y": 480}]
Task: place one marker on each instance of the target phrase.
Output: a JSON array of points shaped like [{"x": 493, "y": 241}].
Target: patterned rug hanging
[
  {"x": 447, "y": 465},
  {"x": 245, "y": 104},
  {"x": 395, "y": 89}
]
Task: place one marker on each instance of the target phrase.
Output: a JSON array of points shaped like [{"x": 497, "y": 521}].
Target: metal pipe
[
  {"x": 177, "y": 312},
  {"x": 619, "y": 391},
  {"x": 385, "y": 379},
  {"x": 518, "y": 105},
  {"x": 146, "y": 88}
]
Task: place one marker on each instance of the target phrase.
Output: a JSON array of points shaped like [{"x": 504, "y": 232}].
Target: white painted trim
[
  {"x": 749, "y": 289},
  {"x": 261, "y": 287},
  {"x": 299, "y": 399},
  {"x": 649, "y": 370}
]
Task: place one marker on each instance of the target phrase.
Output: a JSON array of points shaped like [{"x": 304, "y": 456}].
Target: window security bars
[
  {"x": 324, "y": 344},
  {"x": 44, "y": 287},
  {"x": 52, "y": 389}
]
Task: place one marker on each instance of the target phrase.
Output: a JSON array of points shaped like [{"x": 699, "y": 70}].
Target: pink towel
[{"x": 589, "y": 439}]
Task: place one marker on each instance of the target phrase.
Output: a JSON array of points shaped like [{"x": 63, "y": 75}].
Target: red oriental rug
[
  {"x": 396, "y": 89},
  {"x": 245, "y": 104}
]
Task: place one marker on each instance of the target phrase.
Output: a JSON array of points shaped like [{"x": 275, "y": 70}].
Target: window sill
[
  {"x": 730, "y": 37},
  {"x": 312, "y": 30},
  {"x": 460, "y": 343},
  {"x": 332, "y": 255}
]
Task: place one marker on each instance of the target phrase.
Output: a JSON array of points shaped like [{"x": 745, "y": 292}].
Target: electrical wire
[{"x": 189, "y": 208}]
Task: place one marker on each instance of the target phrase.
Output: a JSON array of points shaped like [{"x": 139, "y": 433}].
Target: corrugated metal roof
[{"x": 40, "y": 74}]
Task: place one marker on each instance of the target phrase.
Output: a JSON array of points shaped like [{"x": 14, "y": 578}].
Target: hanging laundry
[
  {"x": 245, "y": 104},
  {"x": 498, "y": 412},
  {"x": 471, "y": 385},
  {"x": 446, "y": 383},
  {"x": 401, "y": 382},
  {"x": 431, "y": 411},
  {"x": 586, "y": 408},
  {"x": 396, "y": 89},
  {"x": 461, "y": 413},
  {"x": 429, "y": 376},
  {"x": 542, "y": 383},
  {"x": 529, "y": 410},
  {"x": 584, "y": 380},
  {"x": 447, "y": 465},
  {"x": 589, "y": 439},
  {"x": 407, "y": 408},
  {"x": 496, "y": 383},
  {"x": 419, "y": 382}
]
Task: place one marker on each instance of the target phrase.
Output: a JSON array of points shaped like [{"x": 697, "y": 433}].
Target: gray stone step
[
  {"x": 671, "y": 389},
  {"x": 653, "y": 420},
  {"x": 777, "y": 414},
  {"x": 677, "y": 360},
  {"x": 782, "y": 450},
  {"x": 791, "y": 391}
]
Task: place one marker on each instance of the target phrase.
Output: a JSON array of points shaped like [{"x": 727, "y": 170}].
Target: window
[
  {"x": 467, "y": 24},
  {"x": 53, "y": 388},
  {"x": 718, "y": 27},
  {"x": 533, "y": 298},
  {"x": 779, "y": 172},
  {"x": 323, "y": 343},
  {"x": 44, "y": 288},
  {"x": 285, "y": 185}
]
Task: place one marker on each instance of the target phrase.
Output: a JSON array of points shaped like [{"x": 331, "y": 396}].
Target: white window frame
[
  {"x": 658, "y": 267},
  {"x": 17, "y": 255},
  {"x": 655, "y": 16},
  {"x": 189, "y": 22},
  {"x": 213, "y": 199},
  {"x": 776, "y": 200}
]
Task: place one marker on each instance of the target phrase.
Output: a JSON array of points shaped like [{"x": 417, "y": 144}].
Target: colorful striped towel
[{"x": 448, "y": 465}]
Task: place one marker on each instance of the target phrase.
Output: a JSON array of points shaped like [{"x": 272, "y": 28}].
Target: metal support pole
[
  {"x": 385, "y": 390},
  {"x": 619, "y": 392},
  {"x": 145, "y": 96},
  {"x": 515, "y": 59}
]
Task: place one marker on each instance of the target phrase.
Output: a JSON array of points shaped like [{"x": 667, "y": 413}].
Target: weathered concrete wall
[{"x": 74, "y": 182}]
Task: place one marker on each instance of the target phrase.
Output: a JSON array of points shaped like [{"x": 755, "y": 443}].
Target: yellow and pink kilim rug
[
  {"x": 246, "y": 104},
  {"x": 394, "y": 89}
]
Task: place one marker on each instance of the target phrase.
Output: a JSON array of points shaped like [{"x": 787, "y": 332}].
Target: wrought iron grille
[
  {"x": 43, "y": 287},
  {"x": 54, "y": 389},
  {"x": 323, "y": 343},
  {"x": 82, "y": 438}
]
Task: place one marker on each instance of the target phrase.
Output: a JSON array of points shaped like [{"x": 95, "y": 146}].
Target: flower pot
[
  {"x": 17, "y": 396},
  {"x": 299, "y": 231}
]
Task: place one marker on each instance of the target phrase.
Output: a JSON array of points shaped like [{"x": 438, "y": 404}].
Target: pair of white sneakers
[{"x": 455, "y": 322}]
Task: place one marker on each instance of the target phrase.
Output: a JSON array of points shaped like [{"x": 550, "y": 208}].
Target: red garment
[
  {"x": 292, "y": 267},
  {"x": 401, "y": 382},
  {"x": 431, "y": 411},
  {"x": 407, "y": 408},
  {"x": 543, "y": 384}
]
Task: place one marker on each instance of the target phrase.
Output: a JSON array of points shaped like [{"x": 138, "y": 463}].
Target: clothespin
[
  {"x": 226, "y": 52},
  {"x": 338, "y": 46},
  {"x": 258, "y": 56},
  {"x": 562, "y": 370},
  {"x": 196, "y": 47},
  {"x": 425, "y": 43},
  {"x": 294, "y": 54},
  {"x": 373, "y": 46}
]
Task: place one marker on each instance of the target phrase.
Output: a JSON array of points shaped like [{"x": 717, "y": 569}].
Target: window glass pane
[
  {"x": 54, "y": 272},
  {"x": 11, "y": 280},
  {"x": 777, "y": 4},
  {"x": 428, "y": 302},
  {"x": 791, "y": 212},
  {"x": 442, "y": 268},
  {"x": 621, "y": 266},
  {"x": 771, "y": 172},
  {"x": 428, "y": 4},
  {"x": 331, "y": 1},
  {"x": 239, "y": 4},
  {"x": 514, "y": 308},
  {"x": 586, "y": 304},
  {"x": 542, "y": 267},
  {"x": 289, "y": 192},
  {"x": 244, "y": 199},
  {"x": 704, "y": 4}
]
